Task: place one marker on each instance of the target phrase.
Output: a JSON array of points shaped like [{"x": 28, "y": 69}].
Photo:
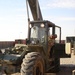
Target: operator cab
[
  {"x": 40, "y": 30},
  {"x": 39, "y": 34}
]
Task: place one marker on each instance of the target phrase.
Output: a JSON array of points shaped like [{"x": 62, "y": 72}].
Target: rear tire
[
  {"x": 32, "y": 64},
  {"x": 56, "y": 66},
  {"x": 56, "y": 61}
]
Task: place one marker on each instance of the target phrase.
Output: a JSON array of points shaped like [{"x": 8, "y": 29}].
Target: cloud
[{"x": 61, "y": 4}]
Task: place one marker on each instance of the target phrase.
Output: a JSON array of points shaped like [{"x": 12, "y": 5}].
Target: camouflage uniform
[{"x": 50, "y": 44}]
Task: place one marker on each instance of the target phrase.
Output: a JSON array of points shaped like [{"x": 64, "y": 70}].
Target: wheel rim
[
  {"x": 39, "y": 69},
  {"x": 38, "y": 72}
]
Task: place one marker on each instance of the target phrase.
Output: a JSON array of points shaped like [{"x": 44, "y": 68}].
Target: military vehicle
[
  {"x": 71, "y": 39},
  {"x": 42, "y": 51}
]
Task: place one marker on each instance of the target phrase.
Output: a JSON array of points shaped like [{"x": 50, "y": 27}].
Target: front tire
[
  {"x": 56, "y": 65},
  {"x": 32, "y": 64}
]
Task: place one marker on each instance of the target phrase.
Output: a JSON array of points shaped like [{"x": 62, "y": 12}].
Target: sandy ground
[
  {"x": 67, "y": 66},
  {"x": 45, "y": 74}
]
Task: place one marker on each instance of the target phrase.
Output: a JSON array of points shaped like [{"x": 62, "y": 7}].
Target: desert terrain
[{"x": 67, "y": 66}]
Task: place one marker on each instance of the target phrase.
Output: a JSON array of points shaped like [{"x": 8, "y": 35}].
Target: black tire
[
  {"x": 32, "y": 64},
  {"x": 56, "y": 66},
  {"x": 56, "y": 61}
]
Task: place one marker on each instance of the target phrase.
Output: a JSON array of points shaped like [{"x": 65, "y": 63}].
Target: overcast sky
[{"x": 13, "y": 17}]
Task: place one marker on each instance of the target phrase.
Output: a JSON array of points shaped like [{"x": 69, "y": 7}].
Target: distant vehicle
[
  {"x": 20, "y": 41},
  {"x": 71, "y": 39}
]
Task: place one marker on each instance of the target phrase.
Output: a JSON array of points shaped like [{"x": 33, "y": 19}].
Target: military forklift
[
  {"x": 43, "y": 49},
  {"x": 43, "y": 45}
]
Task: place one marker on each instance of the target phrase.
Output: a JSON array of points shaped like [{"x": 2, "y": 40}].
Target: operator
[{"x": 51, "y": 41}]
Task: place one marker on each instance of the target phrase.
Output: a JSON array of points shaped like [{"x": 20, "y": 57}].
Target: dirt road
[
  {"x": 45, "y": 74},
  {"x": 67, "y": 66},
  {"x": 65, "y": 70}
]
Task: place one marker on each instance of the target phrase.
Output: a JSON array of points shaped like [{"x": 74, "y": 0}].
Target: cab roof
[{"x": 50, "y": 24}]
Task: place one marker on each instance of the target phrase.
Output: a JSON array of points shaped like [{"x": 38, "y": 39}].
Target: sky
[{"x": 13, "y": 17}]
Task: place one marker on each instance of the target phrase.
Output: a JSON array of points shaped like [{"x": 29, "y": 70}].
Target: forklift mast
[{"x": 35, "y": 9}]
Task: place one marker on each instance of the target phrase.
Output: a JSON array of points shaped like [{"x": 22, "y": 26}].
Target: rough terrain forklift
[
  {"x": 42, "y": 51},
  {"x": 42, "y": 46}
]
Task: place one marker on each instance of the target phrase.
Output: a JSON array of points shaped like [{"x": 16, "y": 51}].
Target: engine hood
[{"x": 9, "y": 59}]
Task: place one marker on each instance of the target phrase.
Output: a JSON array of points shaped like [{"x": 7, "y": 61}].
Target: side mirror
[{"x": 68, "y": 48}]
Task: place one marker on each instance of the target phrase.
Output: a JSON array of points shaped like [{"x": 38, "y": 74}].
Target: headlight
[
  {"x": 33, "y": 42},
  {"x": 42, "y": 25},
  {"x": 30, "y": 26}
]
